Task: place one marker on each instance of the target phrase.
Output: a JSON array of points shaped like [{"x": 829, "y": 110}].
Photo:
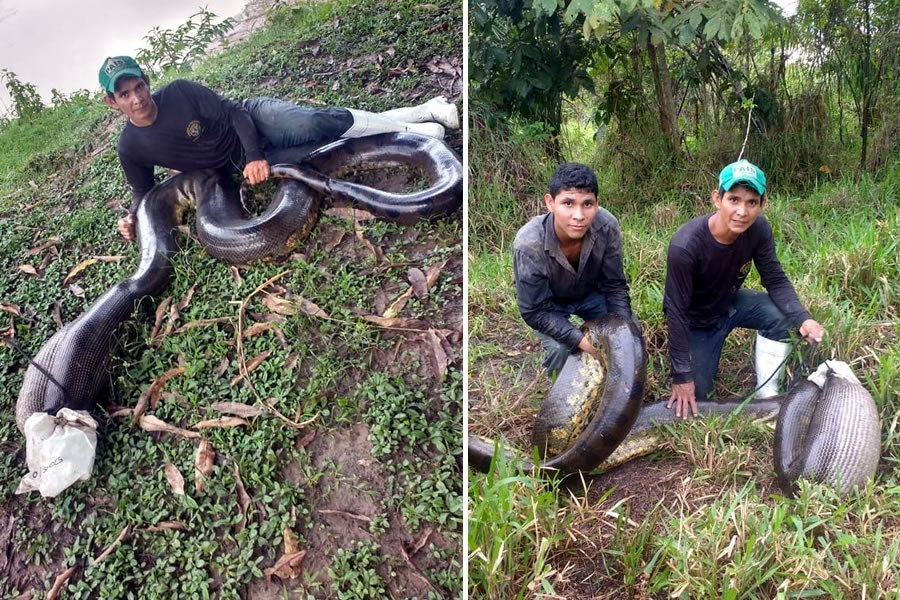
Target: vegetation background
[
  {"x": 339, "y": 476},
  {"x": 657, "y": 97}
]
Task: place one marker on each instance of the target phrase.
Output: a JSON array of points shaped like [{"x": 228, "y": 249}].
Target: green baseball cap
[
  {"x": 744, "y": 172},
  {"x": 115, "y": 67}
]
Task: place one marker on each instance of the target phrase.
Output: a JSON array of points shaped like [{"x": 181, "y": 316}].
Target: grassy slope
[
  {"x": 711, "y": 524},
  {"x": 376, "y": 470}
]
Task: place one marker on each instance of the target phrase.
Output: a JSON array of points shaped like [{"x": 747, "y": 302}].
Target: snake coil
[{"x": 76, "y": 356}]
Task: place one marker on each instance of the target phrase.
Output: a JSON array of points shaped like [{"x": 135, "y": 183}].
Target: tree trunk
[
  {"x": 866, "y": 116},
  {"x": 665, "y": 101}
]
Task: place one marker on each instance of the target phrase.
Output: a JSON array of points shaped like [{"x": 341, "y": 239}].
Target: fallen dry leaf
[
  {"x": 290, "y": 542},
  {"x": 80, "y": 267},
  {"x": 10, "y": 308},
  {"x": 397, "y": 305},
  {"x": 221, "y": 422},
  {"x": 203, "y": 463},
  {"x": 306, "y": 440},
  {"x": 201, "y": 323},
  {"x": 166, "y": 525},
  {"x": 175, "y": 479},
  {"x": 237, "y": 408},
  {"x": 434, "y": 271},
  {"x": 161, "y": 311},
  {"x": 418, "y": 282},
  {"x": 150, "y": 397},
  {"x": 420, "y": 541},
  {"x": 57, "y": 313},
  {"x": 109, "y": 550},
  {"x": 243, "y": 498},
  {"x": 438, "y": 356},
  {"x": 394, "y": 322},
  {"x": 28, "y": 269},
  {"x": 151, "y": 423},
  {"x": 286, "y": 567},
  {"x": 38, "y": 249},
  {"x": 185, "y": 300},
  {"x": 60, "y": 583},
  {"x": 258, "y": 328},
  {"x": 335, "y": 240},
  {"x": 251, "y": 366}
]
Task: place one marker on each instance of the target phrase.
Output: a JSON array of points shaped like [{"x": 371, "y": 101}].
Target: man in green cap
[
  {"x": 709, "y": 258},
  {"x": 185, "y": 126}
]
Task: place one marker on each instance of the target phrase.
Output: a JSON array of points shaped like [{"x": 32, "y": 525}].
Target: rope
[{"x": 12, "y": 344}]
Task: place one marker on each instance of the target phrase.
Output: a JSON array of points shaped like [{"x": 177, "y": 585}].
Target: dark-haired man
[
  {"x": 185, "y": 126},
  {"x": 709, "y": 259},
  {"x": 569, "y": 262}
]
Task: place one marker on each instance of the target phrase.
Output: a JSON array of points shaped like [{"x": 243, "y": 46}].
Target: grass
[
  {"x": 346, "y": 481},
  {"x": 703, "y": 517}
]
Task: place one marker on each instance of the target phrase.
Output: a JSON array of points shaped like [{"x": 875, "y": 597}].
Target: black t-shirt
[
  {"x": 194, "y": 129},
  {"x": 703, "y": 275}
]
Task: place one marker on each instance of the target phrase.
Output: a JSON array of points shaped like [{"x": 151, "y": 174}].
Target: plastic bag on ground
[{"x": 59, "y": 451}]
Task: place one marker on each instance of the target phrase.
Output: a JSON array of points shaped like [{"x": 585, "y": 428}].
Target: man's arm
[
  {"x": 534, "y": 297},
  {"x": 213, "y": 106},
  {"x": 140, "y": 179},
  {"x": 678, "y": 292}
]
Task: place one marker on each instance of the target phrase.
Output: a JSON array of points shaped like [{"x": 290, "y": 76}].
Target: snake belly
[
  {"x": 76, "y": 356},
  {"x": 830, "y": 435},
  {"x": 592, "y": 404}
]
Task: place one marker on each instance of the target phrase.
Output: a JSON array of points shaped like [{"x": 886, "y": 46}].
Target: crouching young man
[
  {"x": 569, "y": 262},
  {"x": 708, "y": 260}
]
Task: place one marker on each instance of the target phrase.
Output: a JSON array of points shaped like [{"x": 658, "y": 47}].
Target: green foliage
[
  {"x": 27, "y": 101},
  {"x": 354, "y": 572},
  {"x": 522, "y": 61},
  {"x": 177, "y": 49}
]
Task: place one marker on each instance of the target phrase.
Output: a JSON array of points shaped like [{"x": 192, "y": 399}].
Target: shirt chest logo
[{"x": 194, "y": 130}]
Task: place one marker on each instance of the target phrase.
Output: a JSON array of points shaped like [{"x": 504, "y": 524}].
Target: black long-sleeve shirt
[
  {"x": 194, "y": 129},
  {"x": 703, "y": 275},
  {"x": 545, "y": 279}
]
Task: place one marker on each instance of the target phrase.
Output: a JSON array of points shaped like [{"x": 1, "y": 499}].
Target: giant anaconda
[
  {"x": 593, "y": 418},
  {"x": 75, "y": 357}
]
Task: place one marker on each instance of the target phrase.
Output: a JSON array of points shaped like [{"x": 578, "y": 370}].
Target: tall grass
[{"x": 722, "y": 530}]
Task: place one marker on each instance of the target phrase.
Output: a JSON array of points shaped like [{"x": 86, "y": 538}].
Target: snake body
[
  {"x": 76, "y": 356},
  {"x": 602, "y": 398},
  {"x": 830, "y": 435}
]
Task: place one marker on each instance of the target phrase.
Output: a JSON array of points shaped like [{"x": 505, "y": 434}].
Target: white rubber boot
[
  {"x": 770, "y": 356},
  {"x": 436, "y": 110},
  {"x": 367, "y": 123}
]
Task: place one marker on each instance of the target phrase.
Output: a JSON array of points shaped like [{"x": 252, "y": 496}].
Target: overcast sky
[{"x": 62, "y": 43}]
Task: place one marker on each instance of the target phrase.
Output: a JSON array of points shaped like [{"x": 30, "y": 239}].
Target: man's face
[
  {"x": 738, "y": 208},
  {"x": 573, "y": 212},
  {"x": 132, "y": 97}
]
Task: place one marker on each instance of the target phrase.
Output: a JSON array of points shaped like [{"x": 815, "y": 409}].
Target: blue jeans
[
  {"x": 289, "y": 132},
  {"x": 555, "y": 354},
  {"x": 750, "y": 309}
]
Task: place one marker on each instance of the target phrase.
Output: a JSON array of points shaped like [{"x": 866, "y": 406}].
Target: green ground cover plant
[
  {"x": 310, "y": 493},
  {"x": 702, "y": 517}
]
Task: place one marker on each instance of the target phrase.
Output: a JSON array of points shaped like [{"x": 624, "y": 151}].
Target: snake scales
[
  {"x": 594, "y": 418},
  {"x": 75, "y": 357}
]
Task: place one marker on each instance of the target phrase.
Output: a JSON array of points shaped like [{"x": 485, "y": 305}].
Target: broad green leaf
[
  {"x": 576, "y": 7},
  {"x": 711, "y": 31}
]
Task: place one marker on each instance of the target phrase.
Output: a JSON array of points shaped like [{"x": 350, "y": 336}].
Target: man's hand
[
  {"x": 126, "y": 226},
  {"x": 684, "y": 398},
  {"x": 585, "y": 346},
  {"x": 256, "y": 171},
  {"x": 812, "y": 330}
]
